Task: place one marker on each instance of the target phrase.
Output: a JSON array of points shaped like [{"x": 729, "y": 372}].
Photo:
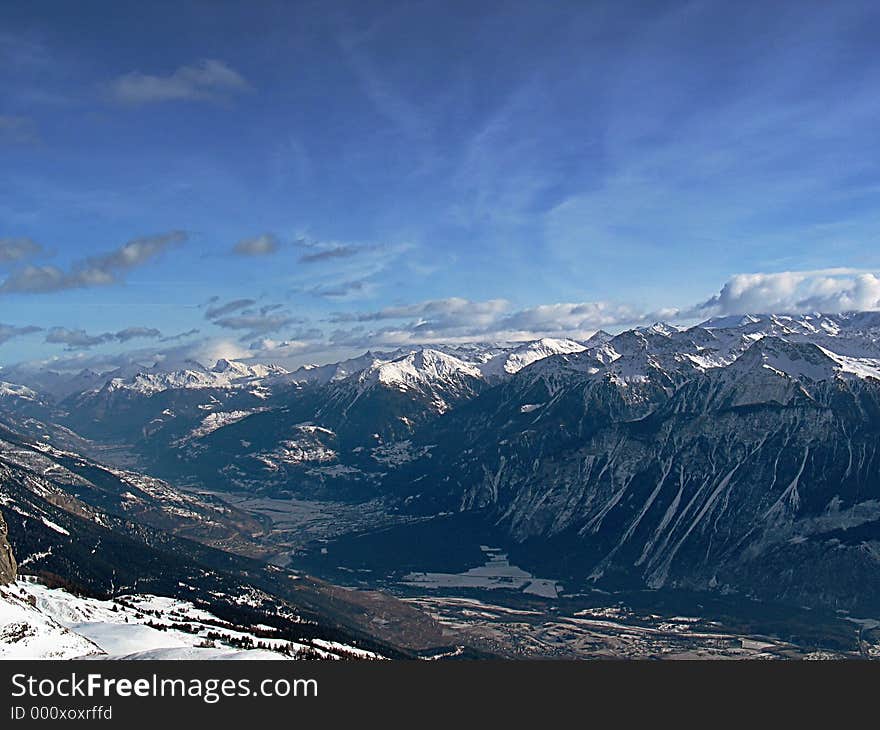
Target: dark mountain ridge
[{"x": 738, "y": 455}]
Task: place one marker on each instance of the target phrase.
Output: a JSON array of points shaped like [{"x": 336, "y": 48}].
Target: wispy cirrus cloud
[
  {"x": 329, "y": 251},
  {"x": 406, "y": 116},
  {"x": 103, "y": 270},
  {"x": 206, "y": 80},
  {"x": 345, "y": 271}
]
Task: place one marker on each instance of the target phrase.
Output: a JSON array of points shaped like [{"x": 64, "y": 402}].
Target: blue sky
[{"x": 331, "y": 176}]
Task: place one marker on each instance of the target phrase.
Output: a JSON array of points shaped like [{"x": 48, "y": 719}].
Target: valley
[{"x": 708, "y": 491}]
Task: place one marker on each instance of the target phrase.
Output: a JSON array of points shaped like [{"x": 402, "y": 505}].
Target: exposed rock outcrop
[{"x": 8, "y": 568}]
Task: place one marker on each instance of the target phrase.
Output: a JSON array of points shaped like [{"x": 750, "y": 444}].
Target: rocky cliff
[{"x": 7, "y": 560}]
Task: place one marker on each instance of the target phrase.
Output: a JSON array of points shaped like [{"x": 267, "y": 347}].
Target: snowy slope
[
  {"x": 37, "y": 622},
  {"x": 512, "y": 361},
  {"x": 11, "y": 390},
  {"x": 424, "y": 368},
  {"x": 26, "y": 632},
  {"x": 323, "y": 374},
  {"x": 217, "y": 420},
  {"x": 224, "y": 374}
]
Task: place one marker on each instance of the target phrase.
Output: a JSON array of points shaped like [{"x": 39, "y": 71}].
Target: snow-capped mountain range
[
  {"x": 387, "y": 396},
  {"x": 714, "y": 343},
  {"x": 664, "y": 456},
  {"x": 397, "y": 368},
  {"x": 224, "y": 374}
]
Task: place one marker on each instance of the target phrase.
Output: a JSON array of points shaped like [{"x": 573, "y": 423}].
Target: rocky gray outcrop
[{"x": 8, "y": 568}]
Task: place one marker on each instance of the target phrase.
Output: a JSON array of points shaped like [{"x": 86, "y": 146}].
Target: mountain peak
[
  {"x": 661, "y": 328},
  {"x": 426, "y": 369},
  {"x": 599, "y": 337},
  {"x": 231, "y": 367},
  {"x": 794, "y": 359},
  {"x": 509, "y": 362}
]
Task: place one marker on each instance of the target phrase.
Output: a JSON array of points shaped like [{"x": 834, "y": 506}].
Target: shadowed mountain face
[
  {"x": 739, "y": 455},
  {"x": 106, "y": 532},
  {"x": 759, "y": 476},
  {"x": 775, "y": 499}
]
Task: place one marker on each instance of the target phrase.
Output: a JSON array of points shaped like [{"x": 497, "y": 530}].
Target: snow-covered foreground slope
[
  {"x": 38, "y": 622},
  {"x": 26, "y": 632}
]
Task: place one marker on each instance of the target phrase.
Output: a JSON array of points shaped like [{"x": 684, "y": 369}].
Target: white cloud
[
  {"x": 79, "y": 339},
  {"x": 447, "y": 312},
  {"x": 262, "y": 245},
  {"x": 131, "y": 333},
  {"x": 824, "y": 290},
  {"x": 571, "y": 317},
  {"x": 342, "y": 289},
  {"x": 180, "y": 335},
  {"x": 460, "y": 320},
  {"x": 456, "y": 320},
  {"x": 255, "y": 323},
  {"x": 207, "y": 352},
  {"x": 13, "y": 250},
  {"x": 102, "y": 270},
  {"x": 207, "y": 80},
  {"x": 9, "y": 331},
  {"x": 331, "y": 251},
  {"x": 244, "y": 316},
  {"x": 218, "y": 310}
]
